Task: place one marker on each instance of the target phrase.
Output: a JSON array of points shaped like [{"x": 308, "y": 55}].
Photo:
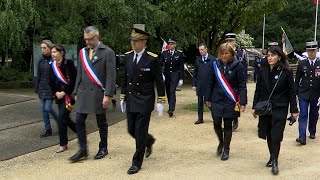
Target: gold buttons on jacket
[{"x": 137, "y": 84}]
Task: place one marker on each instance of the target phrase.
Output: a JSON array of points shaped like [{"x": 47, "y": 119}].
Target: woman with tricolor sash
[
  {"x": 66, "y": 74},
  {"x": 275, "y": 83},
  {"x": 226, "y": 95}
]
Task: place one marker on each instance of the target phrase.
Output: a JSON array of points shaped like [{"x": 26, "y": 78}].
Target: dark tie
[{"x": 135, "y": 60}]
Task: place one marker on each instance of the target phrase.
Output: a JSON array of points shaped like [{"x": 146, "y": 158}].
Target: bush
[
  {"x": 194, "y": 107},
  {"x": 10, "y": 74}
]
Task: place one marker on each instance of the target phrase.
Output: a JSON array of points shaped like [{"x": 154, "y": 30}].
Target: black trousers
[
  {"x": 82, "y": 133},
  {"x": 171, "y": 83},
  {"x": 64, "y": 121},
  {"x": 138, "y": 126}
]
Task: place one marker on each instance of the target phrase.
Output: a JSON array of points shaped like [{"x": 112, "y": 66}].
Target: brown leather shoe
[{"x": 61, "y": 149}]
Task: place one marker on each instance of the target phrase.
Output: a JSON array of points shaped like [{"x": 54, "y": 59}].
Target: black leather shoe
[
  {"x": 269, "y": 163},
  {"x": 101, "y": 153},
  {"x": 198, "y": 122},
  {"x": 235, "y": 125},
  {"x": 219, "y": 149},
  {"x": 225, "y": 155},
  {"x": 301, "y": 141},
  {"x": 46, "y": 133},
  {"x": 170, "y": 113},
  {"x": 80, "y": 155},
  {"x": 149, "y": 149},
  {"x": 312, "y": 136},
  {"x": 133, "y": 169},
  {"x": 114, "y": 103},
  {"x": 275, "y": 169}
]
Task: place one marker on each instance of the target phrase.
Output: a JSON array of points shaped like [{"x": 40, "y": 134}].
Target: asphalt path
[{"x": 21, "y": 123}]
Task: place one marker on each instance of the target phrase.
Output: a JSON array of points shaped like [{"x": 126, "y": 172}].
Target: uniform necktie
[
  {"x": 90, "y": 53},
  {"x": 135, "y": 59}
]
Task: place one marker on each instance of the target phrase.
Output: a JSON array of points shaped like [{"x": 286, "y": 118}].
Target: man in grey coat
[{"x": 94, "y": 89}]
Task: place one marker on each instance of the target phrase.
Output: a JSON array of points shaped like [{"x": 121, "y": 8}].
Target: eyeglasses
[{"x": 89, "y": 39}]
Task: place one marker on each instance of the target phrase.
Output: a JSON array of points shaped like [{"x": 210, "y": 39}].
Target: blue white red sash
[
  {"x": 58, "y": 72},
  {"x": 227, "y": 89},
  {"x": 87, "y": 66}
]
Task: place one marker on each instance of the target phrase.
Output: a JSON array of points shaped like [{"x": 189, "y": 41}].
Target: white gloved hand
[
  {"x": 318, "y": 102},
  {"x": 164, "y": 78},
  {"x": 180, "y": 82},
  {"x": 123, "y": 106},
  {"x": 160, "y": 109}
]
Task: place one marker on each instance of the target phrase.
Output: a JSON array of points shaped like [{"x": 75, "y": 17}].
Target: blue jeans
[
  {"x": 303, "y": 117},
  {"x": 46, "y": 109}
]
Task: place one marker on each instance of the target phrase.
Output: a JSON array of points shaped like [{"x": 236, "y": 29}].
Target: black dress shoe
[
  {"x": 133, "y": 169},
  {"x": 219, "y": 149},
  {"x": 225, "y": 155},
  {"x": 101, "y": 153},
  {"x": 46, "y": 133},
  {"x": 312, "y": 136},
  {"x": 170, "y": 113},
  {"x": 149, "y": 149},
  {"x": 114, "y": 103},
  {"x": 80, "y": 155},
  {"x": 301, "y": 141},
  {"x": 275, "y": 169},
  {"x": 235, "y": 125},
  {"x": 198, "y": 122},
  {"x": 269, "y": 163}
]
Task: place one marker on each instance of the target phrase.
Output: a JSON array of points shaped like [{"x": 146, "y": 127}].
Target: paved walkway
[{"x": 182, "y": 151}]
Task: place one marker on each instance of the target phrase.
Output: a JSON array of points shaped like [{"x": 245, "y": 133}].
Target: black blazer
[
  {"x": 201, "y": 74},
  {"x": 173, "y": 62},
  {"x": 139, "y": 82},
  {"x": 284, "y": 93}
]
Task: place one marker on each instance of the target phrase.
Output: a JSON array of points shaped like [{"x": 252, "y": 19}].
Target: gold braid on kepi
[
  {"x": 122, "y": 97},
  {"x": 161, "y": 99}
]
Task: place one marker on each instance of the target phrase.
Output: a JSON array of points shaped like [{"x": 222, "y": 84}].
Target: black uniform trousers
[
  {"x": 81, "y": 130},
  {"x": 272, "y": 128},
  {"x": 138, "y": 126},
  {"x": 64, "y": 121},
  {"x": 171, "y": 83}
]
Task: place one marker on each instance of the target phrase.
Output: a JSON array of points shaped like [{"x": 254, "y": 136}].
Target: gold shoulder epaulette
[
  {"x": 128, "y": 52},
  {"x": 152, "y": 54}
]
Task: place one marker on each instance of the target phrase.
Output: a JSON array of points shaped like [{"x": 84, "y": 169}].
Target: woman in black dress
[
  {"x": 226, "y": 95},
  {"x": 271, "y": 127}
]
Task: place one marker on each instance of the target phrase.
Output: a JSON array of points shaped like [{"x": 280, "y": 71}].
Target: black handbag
[{"x": 264, "y": 108}]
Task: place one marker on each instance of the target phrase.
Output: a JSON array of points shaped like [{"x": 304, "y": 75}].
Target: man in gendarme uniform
[
  {"x": 307, "y": 85},
  {"x": 142, "y": 72}
]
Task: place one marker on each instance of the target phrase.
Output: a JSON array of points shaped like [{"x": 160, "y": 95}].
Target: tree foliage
[{"x": 297, "y": 19}]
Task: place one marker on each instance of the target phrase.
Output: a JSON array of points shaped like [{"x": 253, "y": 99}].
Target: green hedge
[{"x": 10, "y": 74}]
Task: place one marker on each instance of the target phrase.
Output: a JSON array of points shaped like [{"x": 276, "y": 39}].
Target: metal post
[
  {"x": 316, "y": 22},
  {"x": 263, "y": 29}
]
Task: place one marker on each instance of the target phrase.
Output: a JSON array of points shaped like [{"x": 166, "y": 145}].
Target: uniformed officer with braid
[
  {"x": 173, "y": 70},
  {"x": 241, "y": 56},
  {"x": 307, "y": 85},
  {"x": 142, "y": 73}
]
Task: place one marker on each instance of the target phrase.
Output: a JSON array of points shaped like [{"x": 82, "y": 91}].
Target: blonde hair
[
  {"x": 226, "y": 47},
  {"x": 48, "y": 43}
]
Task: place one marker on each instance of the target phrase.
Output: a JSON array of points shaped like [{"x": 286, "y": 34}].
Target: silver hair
[{"x": 92, "y": 29}]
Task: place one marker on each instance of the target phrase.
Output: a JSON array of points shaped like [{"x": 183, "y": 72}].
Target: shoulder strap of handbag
[{"x": 274, "y": 87}]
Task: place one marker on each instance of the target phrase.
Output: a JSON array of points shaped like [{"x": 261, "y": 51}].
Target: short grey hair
[
  {"x": 48, "y": 43},
  {"x": 92, "y": 29}
]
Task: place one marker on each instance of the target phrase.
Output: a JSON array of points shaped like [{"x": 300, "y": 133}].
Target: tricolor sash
[
  {"x": 58, "y": 73},
  {"x": 87, "y": 66},
  {"x": 63, "y": 79},
  {"x": 226, "y": 88}
]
